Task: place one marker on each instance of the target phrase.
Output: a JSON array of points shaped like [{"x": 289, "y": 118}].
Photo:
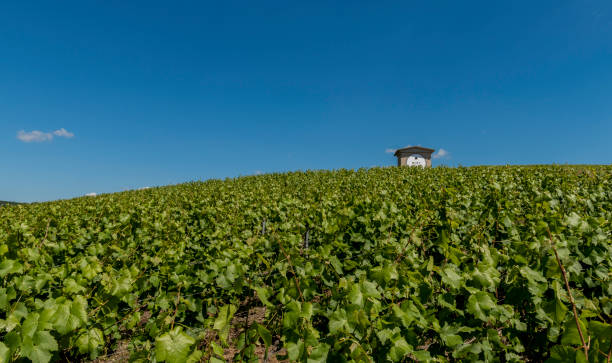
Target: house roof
[{"x": 413, "y": 149}]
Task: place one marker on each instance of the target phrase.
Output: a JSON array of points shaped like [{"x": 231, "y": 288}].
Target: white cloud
[
  {"x": 63, "y": 133},
  {"x": 392, "y": 151},
  {"x": 258, "y": 172},
  {"x": 34, "y": 136},
  {"x": 441, "y": 154},
  {"x": 40, "y": 136},
  {"x": 91, "y": 194}
]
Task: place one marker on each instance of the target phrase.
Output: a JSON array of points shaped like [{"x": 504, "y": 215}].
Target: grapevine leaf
[
  {"x": 338, "y": 321},
  {"x": 451, "y": 277},
  {"x": 319, "y": 354},
  {"x": 449, "y": 336},
  {"x": 399, "y": 350},
  {"x": 4, "y": 299},
  {"x": 601, "y": 332},
  {"x": 556, "y": 310},
  {"x": 10, "y": 267},
  {"x": 90, "y": 342},
  {"x": 264, "y": 294},
  {"x": 295, "y": 350},
  {"x": 5, "y": 353},
  {"x": 571, "y": 336},
  {"x": 195, "y": 357},
  {"x": 223, "y": 321},
  {"x": 264, "y": 334},
  {"x": 70, "y": 315},
  {"x": 480, "y": 304},
  {"x": 39, "y": 347},
  {"x": 355, "y": 296},
  {"x": 173, "y": 346}
]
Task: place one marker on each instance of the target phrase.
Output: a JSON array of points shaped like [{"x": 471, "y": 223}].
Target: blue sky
[{"x": 132, "y": 94}]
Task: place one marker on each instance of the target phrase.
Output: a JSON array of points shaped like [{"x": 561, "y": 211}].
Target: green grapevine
[{"x": 496, "y": 264}]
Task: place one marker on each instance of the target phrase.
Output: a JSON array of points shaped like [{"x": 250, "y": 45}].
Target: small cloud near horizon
[
  {"x": 441, "y": 154},
  {"x": 63, "y": 133},
  {"x": 40, "y": 136},
  {"x": 91, "y": 194},
  {"x": 392, "y": 151}
]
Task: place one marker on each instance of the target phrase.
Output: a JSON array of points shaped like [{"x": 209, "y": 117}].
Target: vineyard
[{"x": 495, "y": 264}]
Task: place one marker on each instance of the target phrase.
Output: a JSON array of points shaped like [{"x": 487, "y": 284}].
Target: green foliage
[
  {"x": 173, "y": 346},
  {"x": 90, "y": 342},
  {"x": 402, "y": 264},
  {"x": 223, "y": 322}
]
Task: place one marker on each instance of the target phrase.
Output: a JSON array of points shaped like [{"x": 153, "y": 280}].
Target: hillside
[
  {"x": 391, "y": 264},
  {"x": 2, "y": 202}
]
